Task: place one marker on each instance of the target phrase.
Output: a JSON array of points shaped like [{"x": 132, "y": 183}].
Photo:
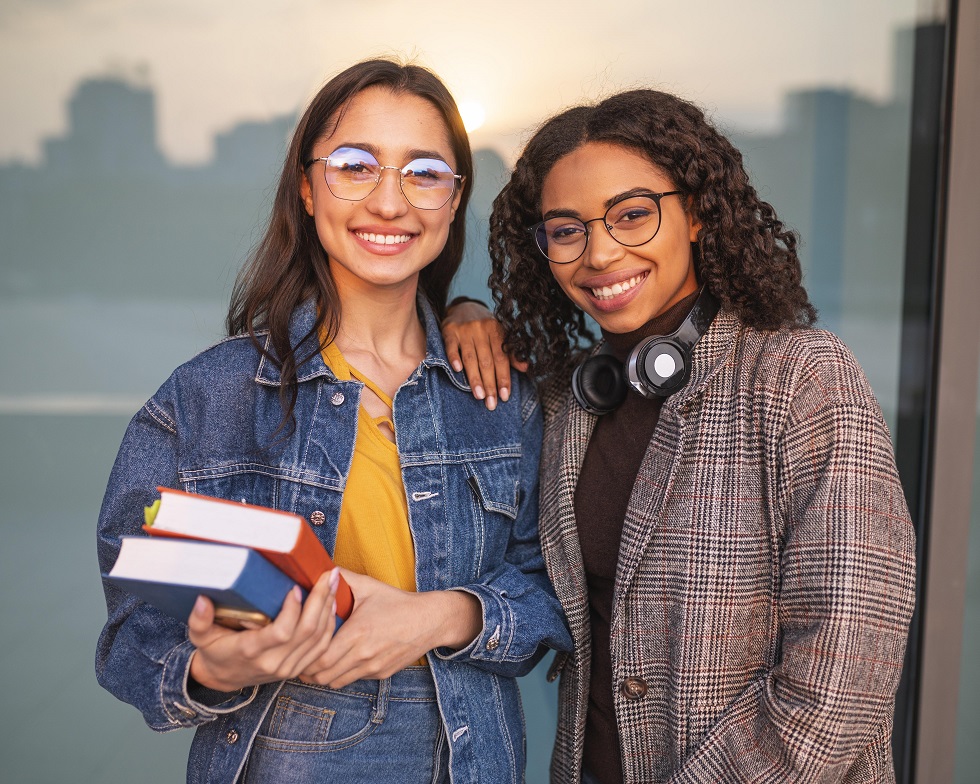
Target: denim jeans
[{"x": 370, "y": 731}]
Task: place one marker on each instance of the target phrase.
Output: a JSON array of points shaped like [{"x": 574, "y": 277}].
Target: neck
[
  {"x": 382, "y": 323},
  {"x": 663, "y": 324}
]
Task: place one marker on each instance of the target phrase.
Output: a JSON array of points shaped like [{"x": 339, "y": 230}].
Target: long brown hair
[
  {"x": 289, "y": 265},
  {"x": 744, "y": 255}
]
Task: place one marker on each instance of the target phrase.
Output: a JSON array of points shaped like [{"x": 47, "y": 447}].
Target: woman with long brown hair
[{"x": 333, "y": 398}]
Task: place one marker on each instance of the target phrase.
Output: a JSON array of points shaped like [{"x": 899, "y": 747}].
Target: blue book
[{"x": 171, "y": 573}]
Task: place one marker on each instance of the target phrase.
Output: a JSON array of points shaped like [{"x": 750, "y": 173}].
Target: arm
[
  {"x": 176, "y": 674},
  {"x": 143, "y": 655},
  {"x": 474, "y": 342},
  {"x": 521, "y": 617},
  {"x": 846, "y": 592}
]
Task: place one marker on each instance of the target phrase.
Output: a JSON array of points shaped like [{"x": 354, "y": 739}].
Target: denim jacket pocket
[
  {"x": 251, "y": 483},
  {"x": 496, "y": 485}
]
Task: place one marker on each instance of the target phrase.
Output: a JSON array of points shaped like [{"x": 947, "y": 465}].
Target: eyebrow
[
  {"x": 410, "y": 155},
  {"x": 567, "y": 213}
]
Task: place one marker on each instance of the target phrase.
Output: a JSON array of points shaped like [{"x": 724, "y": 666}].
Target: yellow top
[{"x": 373, "y": 536}]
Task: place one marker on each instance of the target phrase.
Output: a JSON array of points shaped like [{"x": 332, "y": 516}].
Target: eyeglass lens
[
  {"x": 351, "y": 174},
  {"x": 630, "y": 222}
]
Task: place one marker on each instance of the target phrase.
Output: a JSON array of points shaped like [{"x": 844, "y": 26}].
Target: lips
[
  {"x": 610, "y": 291},
  {"x": 614, "y": 291},
  {"x": 383, "y": 239}
]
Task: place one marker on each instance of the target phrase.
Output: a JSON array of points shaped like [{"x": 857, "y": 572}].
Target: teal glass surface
[{"x": 119, "y": 247}]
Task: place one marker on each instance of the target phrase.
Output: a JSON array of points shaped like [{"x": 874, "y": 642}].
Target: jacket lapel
[
  {"x": 660, "y": 462},
  {"x": 567, "y": 437}
]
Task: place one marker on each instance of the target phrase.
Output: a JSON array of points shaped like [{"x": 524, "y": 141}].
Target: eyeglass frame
[
  {"x": 457, "y": 179},
  {"x": 533, "y": 230}
]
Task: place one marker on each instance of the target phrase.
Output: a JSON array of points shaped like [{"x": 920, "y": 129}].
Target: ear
[
  {"x": 693, "y": 222},
  {"x": 306, "y": 193},
  {"x": 456, "y": 199}
]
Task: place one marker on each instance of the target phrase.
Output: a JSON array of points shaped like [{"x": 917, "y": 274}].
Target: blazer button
[
  {"x": 232, "y": 736},
  {"x": 317, "y": 517},
  {"x": 633, "y": 688}
]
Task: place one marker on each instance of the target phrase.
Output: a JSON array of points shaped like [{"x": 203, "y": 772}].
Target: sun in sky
[{"x": 473, "y": 114}]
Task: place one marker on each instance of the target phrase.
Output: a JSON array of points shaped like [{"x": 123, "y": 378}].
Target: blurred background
[{"x": 139, "y": 149}]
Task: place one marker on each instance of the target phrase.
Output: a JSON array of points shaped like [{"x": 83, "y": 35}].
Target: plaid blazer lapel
[
  {"x": 664, "y": 452},
  {"x": 566, "y": 439}
]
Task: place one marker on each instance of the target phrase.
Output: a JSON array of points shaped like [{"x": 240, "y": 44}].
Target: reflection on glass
[{"x": 117, "y": 265}]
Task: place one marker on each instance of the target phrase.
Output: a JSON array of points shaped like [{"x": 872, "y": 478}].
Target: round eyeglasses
[
  {"x": 631, "y": 221},
  {"x": 351, "y": 174}
]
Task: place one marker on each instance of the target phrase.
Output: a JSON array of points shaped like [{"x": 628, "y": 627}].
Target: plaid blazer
[{"x": 766, "y": 572}]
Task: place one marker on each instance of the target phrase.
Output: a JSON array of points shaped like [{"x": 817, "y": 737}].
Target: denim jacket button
[
  {"x": 232, "y": 736},
  {"x": 492, "y": 644},
  {"x": 337, "y": 398},
  {"x": 317, "y": 517}
]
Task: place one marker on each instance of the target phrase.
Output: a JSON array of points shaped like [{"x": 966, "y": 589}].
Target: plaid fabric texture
[{"x": 766, "y": 571}]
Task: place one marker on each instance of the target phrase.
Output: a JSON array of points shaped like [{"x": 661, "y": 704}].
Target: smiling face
[
  {"x": 382, "y": 241},
  {"x": 622, "y": 288}
]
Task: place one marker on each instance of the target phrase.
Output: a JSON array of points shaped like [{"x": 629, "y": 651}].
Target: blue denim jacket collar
[{"x": 301, "y": 324}]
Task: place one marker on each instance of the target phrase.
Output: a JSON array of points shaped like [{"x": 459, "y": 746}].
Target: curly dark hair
[{"x": 744, "y": 254}]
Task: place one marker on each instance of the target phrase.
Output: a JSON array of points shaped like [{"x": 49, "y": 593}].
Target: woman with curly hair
[{"x": 721, "y": 514}]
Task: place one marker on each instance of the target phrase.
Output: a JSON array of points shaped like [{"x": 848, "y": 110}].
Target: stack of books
[{"x": 245, "y": 558}]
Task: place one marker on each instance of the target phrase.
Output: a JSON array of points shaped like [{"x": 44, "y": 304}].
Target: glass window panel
[
  {"x": 968, "y": 706},
  {"x": 138, "y": 156}
]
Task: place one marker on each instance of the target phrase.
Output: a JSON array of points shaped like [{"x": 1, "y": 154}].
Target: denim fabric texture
[
  {"x": 378, "y": 729},
  {"x": 471, "y": 479}
]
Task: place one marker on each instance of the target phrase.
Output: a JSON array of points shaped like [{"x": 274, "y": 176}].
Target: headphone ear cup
[
  {"x": 658, "y": 367},
  {"x": 599, "y": 384}
]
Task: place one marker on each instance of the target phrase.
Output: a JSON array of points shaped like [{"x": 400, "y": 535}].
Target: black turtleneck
[{"x": 612, "y": 461}]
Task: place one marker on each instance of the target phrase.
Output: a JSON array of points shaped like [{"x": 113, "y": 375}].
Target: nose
[
  {"x": 387, "y": 200},
  {"x": 601, "y": 250}
]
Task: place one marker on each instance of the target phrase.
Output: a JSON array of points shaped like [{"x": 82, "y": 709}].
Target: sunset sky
[{"x": 215, "y": 63}]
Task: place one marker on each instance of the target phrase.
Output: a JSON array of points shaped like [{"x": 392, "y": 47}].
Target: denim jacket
[{"x": 471, "y": 479}]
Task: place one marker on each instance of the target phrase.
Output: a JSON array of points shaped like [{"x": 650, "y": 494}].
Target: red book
[{"x": 285, "y": 539}]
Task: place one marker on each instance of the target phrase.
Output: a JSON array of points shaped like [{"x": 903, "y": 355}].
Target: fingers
[
  {"x": 315, "y": 626},
  {"x": 484, "y": 361},
  {"x": 201, "y": 628},
  {"x": 501, "y": 363},
  {"x": 474, "y": 344}
]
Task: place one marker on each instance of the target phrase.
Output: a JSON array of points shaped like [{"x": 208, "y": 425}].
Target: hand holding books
[
  {"x": 300, "y": 634},
  {"x": 253, "y": 556}
]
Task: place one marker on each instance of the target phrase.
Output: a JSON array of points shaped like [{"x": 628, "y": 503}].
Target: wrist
[
  {"x": 198, "y": 673},
  {"x": 462, "y": 619}
]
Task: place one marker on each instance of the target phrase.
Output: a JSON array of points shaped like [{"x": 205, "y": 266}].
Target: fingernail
[
  {"x": 334, "y": 580},
  {"x": 297, "y": 593},
  {"x": 491, "y": 402},
  {"x": 199, "y": 605},
  {"x": 457, "y": 365},
  {"x": 504, "y": 394},
  {"x": 478, "y": 391}
]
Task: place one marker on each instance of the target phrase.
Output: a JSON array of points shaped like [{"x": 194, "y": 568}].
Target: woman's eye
[
  {"x": 633, "y": 215},
  {"x": 567, "y": 233}
]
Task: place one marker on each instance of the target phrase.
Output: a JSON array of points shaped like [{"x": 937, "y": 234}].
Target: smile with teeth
[
  {"x": 384, "y": 239},
  {"x": 608, "y": 292}
]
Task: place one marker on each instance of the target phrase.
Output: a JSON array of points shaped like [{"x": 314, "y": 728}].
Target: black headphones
[{"x": 656, "y": 367}]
